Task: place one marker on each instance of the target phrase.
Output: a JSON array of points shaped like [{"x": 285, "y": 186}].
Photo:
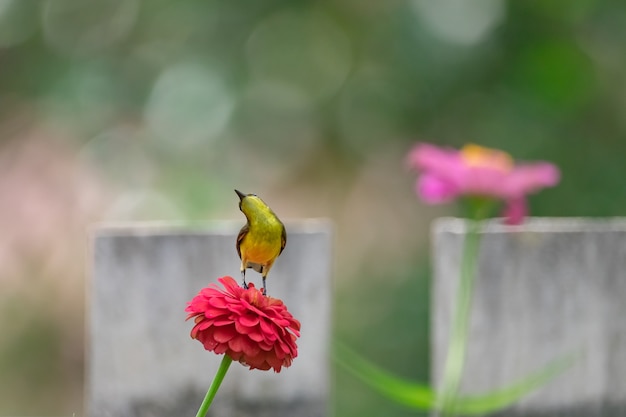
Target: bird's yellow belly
[{"x": 260, "y": 251}]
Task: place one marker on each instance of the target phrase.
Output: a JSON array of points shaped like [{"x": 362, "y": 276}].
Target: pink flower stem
[
  {"x": 217, "y": 381},
  {"x": 455, "y": 360}
]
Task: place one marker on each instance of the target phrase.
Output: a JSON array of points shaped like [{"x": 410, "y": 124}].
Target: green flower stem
[
  {"x": 455, "y": 360},
  {"x": 217, "y": 381}
]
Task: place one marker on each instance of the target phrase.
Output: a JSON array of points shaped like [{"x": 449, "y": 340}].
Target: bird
[{"x": 261, "y": 240}]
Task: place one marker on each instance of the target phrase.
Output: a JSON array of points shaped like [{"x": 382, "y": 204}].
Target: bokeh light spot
[
  {"x": 87, "y": 27},
  {"x": 306, "y": 49},
  {"x": 188, "y": 106},
  {"x": 142, "y": 205},
  {"x": 367, "y": 110},
  {"x": 86, "y": 96},
  {"x": 120, "y": 155},
  {"x": 17, "y": 21},
  {"x": 275, "y": 123},
  {"x": 460, "y": 21}
]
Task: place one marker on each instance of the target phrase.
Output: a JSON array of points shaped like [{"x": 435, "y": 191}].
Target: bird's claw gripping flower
[
  {"x": 256, "y": 330},
  {"x": 446, "y": 174}
]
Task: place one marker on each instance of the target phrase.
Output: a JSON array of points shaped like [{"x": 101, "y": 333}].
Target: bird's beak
[{"x": 240, "y": 194}]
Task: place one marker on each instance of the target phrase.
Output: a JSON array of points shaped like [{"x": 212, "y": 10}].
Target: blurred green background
[{"x": 124, "y": 110}]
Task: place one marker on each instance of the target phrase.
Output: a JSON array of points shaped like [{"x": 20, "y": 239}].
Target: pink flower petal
[
  {"x": 515, "y": 211},
  {"x": 434, "y": 190},
  {"x": 427, "y": 157},
  {"x": 530, "y": 178},
  {"x": 445, "y": 174}
]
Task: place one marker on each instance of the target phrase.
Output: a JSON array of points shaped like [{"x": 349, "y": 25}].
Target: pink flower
[
  {"x": 446, "y": 174},
  {"x": 251, "y": 328}
]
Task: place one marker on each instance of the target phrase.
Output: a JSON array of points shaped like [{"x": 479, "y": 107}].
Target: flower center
[{"x": 480, "y": 157}]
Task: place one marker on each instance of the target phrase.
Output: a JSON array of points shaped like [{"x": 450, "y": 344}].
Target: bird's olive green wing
[
  {"x": 242, "y": 234},
  {"x": 283, "y": 240}
]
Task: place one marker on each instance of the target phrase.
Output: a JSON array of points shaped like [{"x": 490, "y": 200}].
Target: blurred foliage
[
  {"x": 387, "y": 320},
  {"x": 137, "y": 110}
]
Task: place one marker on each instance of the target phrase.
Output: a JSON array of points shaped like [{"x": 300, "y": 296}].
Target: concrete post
[
  {"x": 544, "y": 289},
  {"x": 141, "y": 359}
]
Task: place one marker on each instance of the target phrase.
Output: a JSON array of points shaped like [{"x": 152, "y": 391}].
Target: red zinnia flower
[{"x": 251, "y": 328}]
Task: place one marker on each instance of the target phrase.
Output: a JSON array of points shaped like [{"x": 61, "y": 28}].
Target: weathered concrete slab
[
  {"x": 141, "y": 359},
  {"x": 543, "y": 290}
]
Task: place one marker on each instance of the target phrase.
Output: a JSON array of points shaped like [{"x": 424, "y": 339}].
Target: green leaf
[
  {"x": 504, "y": 397},
  {"x": 402, "y": 391},
  {"x": 422, "y": 397}
]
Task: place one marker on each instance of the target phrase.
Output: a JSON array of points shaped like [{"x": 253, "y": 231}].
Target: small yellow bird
[{"x": 262, "y": 239}]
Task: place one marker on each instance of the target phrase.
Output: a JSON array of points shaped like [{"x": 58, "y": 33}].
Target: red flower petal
[
  {"x": 265, "y": 346},
  {"x": 218, "y": 302},
  {"x": 251, "y": 328},
  {"x": 224, "y": 334},
  {"x": 266, "y": 327},
  {"x": 244, "y": 345},
  {"x": 220, "y": 348},
  {"x": 255, "y": 334},
  {"x": 203, "y": 324},
  {"x": 225, "y": 321},
  {"x": 249, "y": 320}
]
